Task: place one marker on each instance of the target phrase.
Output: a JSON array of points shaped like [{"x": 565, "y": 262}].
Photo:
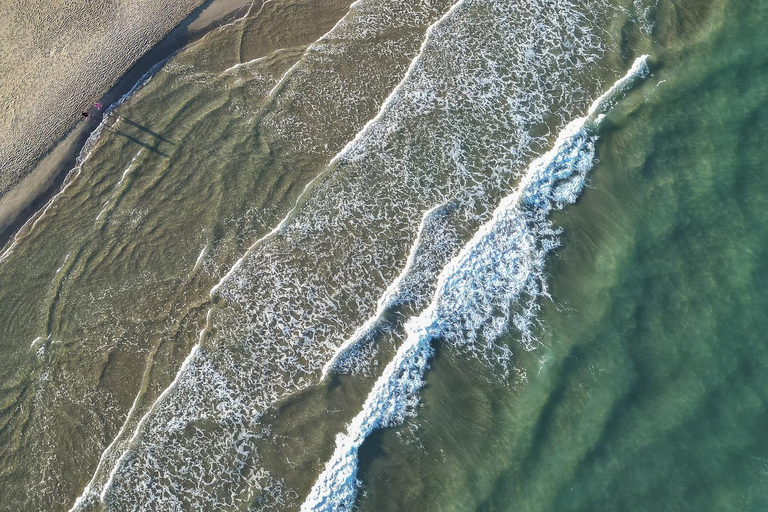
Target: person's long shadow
[
  {"x": 140, "y": 143},
  {"x": 146, "y": 130}
]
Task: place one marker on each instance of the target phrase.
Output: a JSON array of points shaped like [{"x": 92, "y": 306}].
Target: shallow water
[{"x": 174, "y": 317}]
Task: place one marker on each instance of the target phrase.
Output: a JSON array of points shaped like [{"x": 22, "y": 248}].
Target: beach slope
[{"x": 56, "y": 59}]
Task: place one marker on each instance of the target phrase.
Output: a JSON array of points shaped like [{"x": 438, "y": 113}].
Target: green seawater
[{"x": 649, "y": 392}]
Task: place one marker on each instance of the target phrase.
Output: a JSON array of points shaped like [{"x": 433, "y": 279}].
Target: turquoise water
[
  {"x": 649, "y": 390},
  {"x": 276, "y": 281}
]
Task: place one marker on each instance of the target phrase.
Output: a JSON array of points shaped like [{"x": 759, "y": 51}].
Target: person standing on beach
[{"x": 98, "y": 107}]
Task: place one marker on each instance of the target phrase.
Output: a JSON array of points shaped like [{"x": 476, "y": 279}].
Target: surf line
[
  {"x": 89, "y": 494},
  {"x": 360, "y": 134},
  {"x": 551, "y": 181},
  {"x": 293, "y": 68},
  {"x": 408, "y": 72}
]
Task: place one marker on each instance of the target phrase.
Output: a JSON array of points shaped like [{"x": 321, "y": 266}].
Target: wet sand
[{"x": 58, "y": 60}]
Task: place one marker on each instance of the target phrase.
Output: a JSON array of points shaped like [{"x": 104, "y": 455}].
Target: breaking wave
[{"x": 501, "y": 265}]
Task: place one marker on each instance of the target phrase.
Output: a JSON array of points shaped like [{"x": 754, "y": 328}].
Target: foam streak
[{"x": 386, "y": 300}]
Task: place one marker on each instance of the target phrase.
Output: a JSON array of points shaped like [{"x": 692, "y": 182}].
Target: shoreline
[{"x": 47, "y": 177}]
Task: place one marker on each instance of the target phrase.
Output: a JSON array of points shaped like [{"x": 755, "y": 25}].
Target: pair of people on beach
[{"x": 98, "y": 107}]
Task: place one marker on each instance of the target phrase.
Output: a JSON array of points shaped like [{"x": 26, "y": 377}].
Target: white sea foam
[
  {"x": 501, "y": 264},
  {"x": 257, "y": 60},
  {"x": 459, "y": 128},
  {"x": 195, "y": 370},
  {"x": 141, "y": 82},
  {"x": 314, "y": 45},
  {"x": 399, "y": 289},
  {"x": 63, "y": 263},
  {"x": 199, "y": 260},
  {"x": 35, "y": 342}
]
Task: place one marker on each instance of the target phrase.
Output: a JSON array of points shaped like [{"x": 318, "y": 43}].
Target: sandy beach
[{"x": 57, "y": 59}]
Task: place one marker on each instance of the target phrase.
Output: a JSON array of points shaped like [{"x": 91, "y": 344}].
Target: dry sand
[{"x": 57, "y": 58}]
